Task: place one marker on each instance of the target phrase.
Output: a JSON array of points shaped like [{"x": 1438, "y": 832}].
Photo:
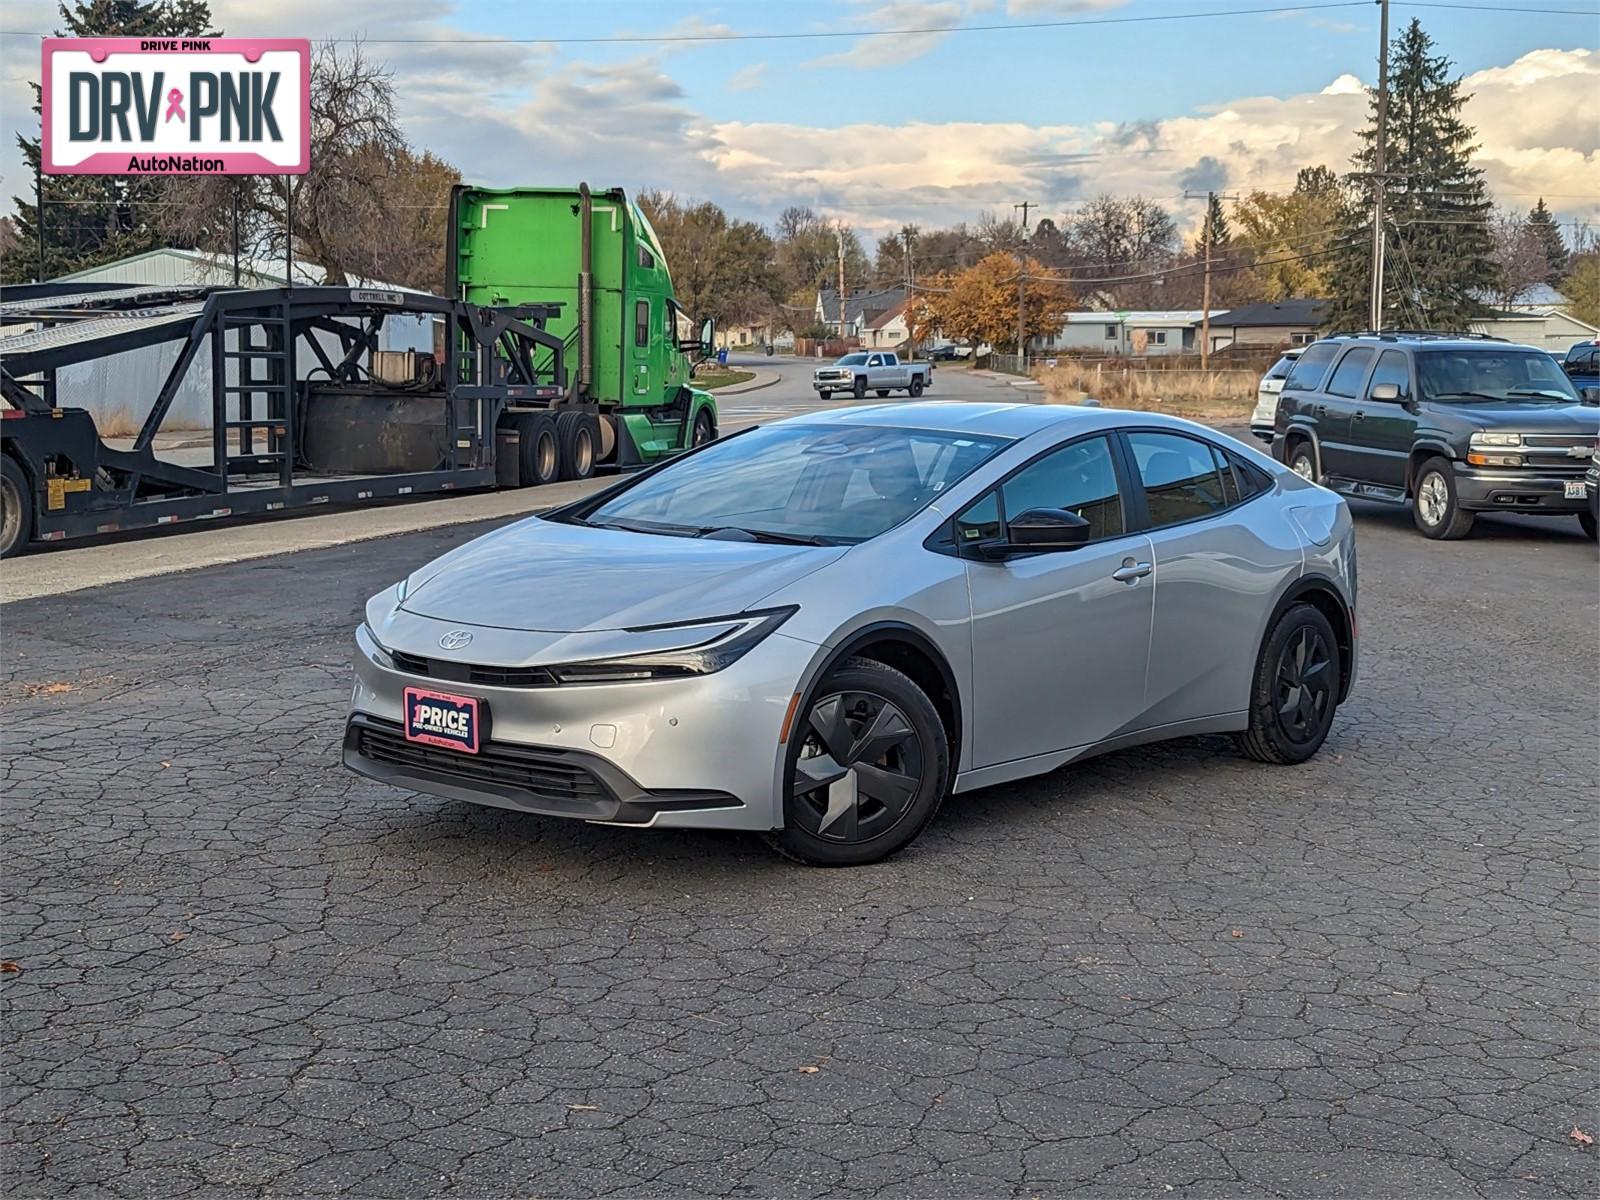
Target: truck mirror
[{"x": 708, "y": 334}]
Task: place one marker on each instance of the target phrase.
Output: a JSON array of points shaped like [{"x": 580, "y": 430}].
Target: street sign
[{"x": 176, "y": 106}]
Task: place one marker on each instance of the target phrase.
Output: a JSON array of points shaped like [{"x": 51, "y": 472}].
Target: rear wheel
[
  {"x": 1302, "y": 461},
  {"x": 867, "y": 768},
  {"x": 1434, "y": 506},
  {"x": 16, "y": 508},
  {"x": 916, "y": 386},
  {"x": 539, "y": 452},
  {"x": 578, "y": 442},
  {"x": 859, "y": 388},
  {"x": 1296, "y": 689}
]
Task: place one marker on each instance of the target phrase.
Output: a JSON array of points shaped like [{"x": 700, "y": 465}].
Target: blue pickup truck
[{"x": 1582, "y": 365}]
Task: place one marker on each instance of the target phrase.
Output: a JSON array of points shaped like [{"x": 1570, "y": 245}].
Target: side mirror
[
  {"x": 1386, "y": 391},
  {"x": 708, "y": 335},
  {"x": 1591, "y": 395},
  {"x": 1046, "y": 529}
]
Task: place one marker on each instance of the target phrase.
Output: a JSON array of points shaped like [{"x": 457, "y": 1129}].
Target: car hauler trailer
[
  {"x": 596, "y": 254},
  {"x": 357, "y": 424}
]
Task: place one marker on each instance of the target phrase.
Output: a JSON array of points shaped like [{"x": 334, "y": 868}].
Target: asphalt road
[{"x": 244, "y": 970}]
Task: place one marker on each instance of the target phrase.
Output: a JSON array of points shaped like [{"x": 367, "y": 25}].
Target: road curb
[{"x": 755, "y": 385}]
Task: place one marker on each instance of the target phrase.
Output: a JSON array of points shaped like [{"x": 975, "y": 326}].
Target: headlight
[
  {"x": 722, "y": 648},
  {"x": 369, "y": 645},
  {"x": 1496, "y": 439}
]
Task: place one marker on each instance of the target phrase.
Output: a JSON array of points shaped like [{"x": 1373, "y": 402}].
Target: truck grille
[
  {"x": 548, "y": 775},
  {"x": 1554, "y": 451},
  {"x": 488, "y": 676}
]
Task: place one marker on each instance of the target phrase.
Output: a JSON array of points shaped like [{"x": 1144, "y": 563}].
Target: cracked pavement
[{"x": 246, "y": 971}]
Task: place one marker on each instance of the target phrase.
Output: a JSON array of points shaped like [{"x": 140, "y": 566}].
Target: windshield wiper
[
  {"x": 772, "y": 535},
  {"x": 662, "y": 527},
  {"x": 1541, "y": 393},
  {"x": 1466, "y": 396}
]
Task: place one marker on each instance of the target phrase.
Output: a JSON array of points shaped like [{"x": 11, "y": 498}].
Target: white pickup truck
[{"x": 866, "y": 371}]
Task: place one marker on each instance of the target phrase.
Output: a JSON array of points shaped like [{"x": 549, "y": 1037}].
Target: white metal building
[{"x": 1139, "y": 334}]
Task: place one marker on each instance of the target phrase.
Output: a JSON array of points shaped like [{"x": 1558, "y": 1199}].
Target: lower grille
[{"x": 547, "y": 775}]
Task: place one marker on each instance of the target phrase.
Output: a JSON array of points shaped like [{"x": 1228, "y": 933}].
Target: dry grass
[{"x": 1226, "y": 395}]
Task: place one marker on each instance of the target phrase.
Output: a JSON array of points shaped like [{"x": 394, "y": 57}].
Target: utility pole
[
  {"x": 1379, "y": 182},
  {"x": 1022, "y": 283},
  {"x": 1208, "y": 238},
  {"x": 838, "y": 233}
]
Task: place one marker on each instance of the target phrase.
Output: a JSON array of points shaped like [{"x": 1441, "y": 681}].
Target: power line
[
  {"x": 910, "y": 31},
  {"x": 1498, "y": 8}
]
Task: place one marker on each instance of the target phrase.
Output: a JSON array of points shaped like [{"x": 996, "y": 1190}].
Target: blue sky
[{"x": 932, "y": 128}]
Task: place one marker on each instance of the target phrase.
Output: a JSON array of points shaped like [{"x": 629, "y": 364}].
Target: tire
[
  {"x": 916, "y": 386},
  {"x": 1295, "y": 689},
  {"x": 826, "y": 395},
  {"x": 539, "y": 455},
  {"x": 883, "y": 393},
  {"x": 704, "y": 429},
  {"x": 1303, "y": 461},
  {"x": 859, "y": 388},
  {"x": 1434, "y": 507},
  {"x": 1590, "y": 526},
  {"x": 870, "y": 806},
  {"x": 16, "y": 508},
  {"x": 578, "y": 440}
]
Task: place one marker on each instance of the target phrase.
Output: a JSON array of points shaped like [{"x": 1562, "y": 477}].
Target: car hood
[
  {"x": 1527, "y": 418},
  {"x": 557, "y": 578}
]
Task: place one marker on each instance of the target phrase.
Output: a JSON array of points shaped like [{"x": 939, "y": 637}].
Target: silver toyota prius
[{"x": 819, "y": 628}]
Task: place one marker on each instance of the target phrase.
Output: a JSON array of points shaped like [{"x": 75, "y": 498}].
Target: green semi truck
[{"x": 594, "y": 259}]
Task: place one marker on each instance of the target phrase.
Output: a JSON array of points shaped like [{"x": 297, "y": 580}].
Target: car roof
[
  {"x": 1426, "y": 342},
  {"x": 959, "y": 416}
]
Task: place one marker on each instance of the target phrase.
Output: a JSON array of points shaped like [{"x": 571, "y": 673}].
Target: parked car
[
  {"x": 1582, "y": 364},
  {"x": 819, "y": 628},
  {"x": 1452, "y": 425},
  {"x": 1267, "y": 392},
  {"x": 942, "y": 352},
  {"x": 880, "y": 371}
]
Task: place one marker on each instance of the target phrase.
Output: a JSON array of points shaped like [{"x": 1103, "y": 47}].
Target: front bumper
[
  {"x": 698, "y": 752},
  {"x": 1512, "y": 490},
  {"x": 842, "y": 384}
]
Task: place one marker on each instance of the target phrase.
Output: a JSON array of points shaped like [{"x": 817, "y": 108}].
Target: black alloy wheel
[
  {"x": 1295, "y": 690},
  {"x": 867, "y": 768}
]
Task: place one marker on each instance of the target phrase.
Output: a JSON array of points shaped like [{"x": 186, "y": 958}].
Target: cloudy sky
[{"x": 1049, "y": 101}]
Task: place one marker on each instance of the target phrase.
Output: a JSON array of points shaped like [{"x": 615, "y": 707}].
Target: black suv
[{"x": 1453, "y": 424}]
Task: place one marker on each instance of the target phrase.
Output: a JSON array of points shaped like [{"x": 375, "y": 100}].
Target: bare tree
[{"x": 1520, "y": 255}]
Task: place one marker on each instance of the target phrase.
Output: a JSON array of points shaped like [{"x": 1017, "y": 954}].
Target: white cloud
[
  {"x": 1058, "y": 8},
  {"x": 746, "y": 78},
  {"x": 879, "y": 51}
]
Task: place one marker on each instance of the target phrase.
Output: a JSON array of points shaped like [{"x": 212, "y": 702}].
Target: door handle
[
  {"x": 1131, "y": 572},
  {"x": 1360, "y": 416},
  {"x": 1321, "y": 410}
]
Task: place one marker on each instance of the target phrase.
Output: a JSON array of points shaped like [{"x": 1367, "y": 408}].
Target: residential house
[
  {"x": 1270, "y": 325},
  {"x": 1124, "y": 333},
  {"x": 860, "y": 306},
  {"x": 1550, "y": 329},
  {"x": 888, "y": 329}
]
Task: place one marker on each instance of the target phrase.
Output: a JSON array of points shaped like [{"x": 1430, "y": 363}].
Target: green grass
[{"x": 712, "y": 380}]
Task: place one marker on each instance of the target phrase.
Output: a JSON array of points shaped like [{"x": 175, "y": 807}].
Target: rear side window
[
  {"x": 1310, "y": 369},
  {"x": 1347, "y": 375},
  {"x": 1180, "y": 476},
  {"x": 1252, "y": 479}
]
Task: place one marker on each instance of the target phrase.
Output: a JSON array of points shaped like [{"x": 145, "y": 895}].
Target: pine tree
[
  {"x": 90, "y": 219},
  {"x": 1556, "y": 255},
  {"x": 1437, "y": 239},
  {"x": 1214, "y": 228}
]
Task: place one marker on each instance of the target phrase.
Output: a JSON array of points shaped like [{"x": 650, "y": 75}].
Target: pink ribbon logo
[{"x": 175, "y": 105}]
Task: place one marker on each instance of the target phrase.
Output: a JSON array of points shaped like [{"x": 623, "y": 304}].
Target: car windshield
[
  {"x": 1515, "y": 376},
  {"x": 851, "y": 360},
  {"x": 809, "y": 484}
]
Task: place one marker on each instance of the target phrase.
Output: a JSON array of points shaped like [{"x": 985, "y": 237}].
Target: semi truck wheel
[
  {"x": 578, "y": 436},
  {"x": 704, "y": 430},
  {"x": 16, "y": 508},
  {"x": 539, "y": 455}
]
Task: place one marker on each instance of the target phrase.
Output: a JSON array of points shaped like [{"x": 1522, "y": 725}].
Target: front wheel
[
  {"x": 859, "y": 388},
  {"x": 1590, "y": 526},
  {"x": 1296, "y": 689},
  {"x": 1435, "y": 507},
  {"x": 866, "y": 769},
  {"x": 825, "y": 394},
  {"x": 703, "y": 430}
]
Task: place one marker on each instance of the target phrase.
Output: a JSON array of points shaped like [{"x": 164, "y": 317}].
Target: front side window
[
  {"x": 1079, "y": 478},
  {"x": 1180, "y": 477},
  {"x": 1311, "y": 368},
  {"x": 1392, "y": 368},
  {"x": 1469, "y": 376},
  {"x": 1347, "y": 375},
  {"x": 641, "y": 323},
  {"x": 827, "y": 483},
  {"x": 875, "y": 361}
]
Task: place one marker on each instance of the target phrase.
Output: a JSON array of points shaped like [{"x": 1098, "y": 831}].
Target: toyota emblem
[{"x": 455, "y": 639}]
